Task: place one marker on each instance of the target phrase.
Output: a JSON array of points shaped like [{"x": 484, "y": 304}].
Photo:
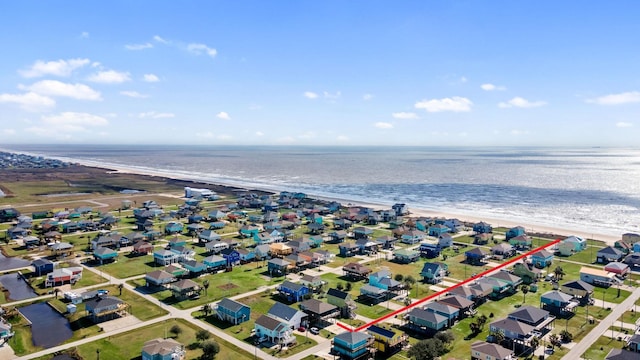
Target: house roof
[
  {"x": 370, "y": 289},
  {"x": 356, "y": 267},
  {"x": 104, "y": 251},
  {"x": 103, "y": 301},
  {"x": 292, "y": 286},
  {"x": 279, "y": 262},
  {"x": 160, "y": 346},
  {"x": 231, "y": 304},
  {"x": 337, "y": 293},
  {"x": 389, "y": 334},
  {"x": 457, "y": 301},
  {"x": 282, "y": 311},
  {"x": 317, "y": 307},
  {"x": 406, "y": 252},
  {"x": 214, "y": 259},
  {"x": 184, "y": 284},
  {"x": 428, "y": 316},
  {"x": 529, "y": 314},
  {"x": 513, "y": 326},
  {"x": 542, "y": 253},
  {"x": 494, "y": 350},
  {"x": 431, "y": 266},
  {"x": 159, "y": 275},
  {"x": 620, "y": 354},
  {"x": 268, "y": 322},
  {"x": 579, "y": 285},
  {"x": 502, "y": 247},
  {"x": 41, "y": 262},
  {"x": 610, "y": 250},
  {"x": 556, "y": 295},
  {"x": 616, "y": 266},
  {"x": 441, "y": 307},
  {"x": 476, "y": 252},
  {"x": 61, "y": 246},
  {"x": 310, "y": 278},
  {"x": 354, "y": 337},
  {"x": 194, "y": 264},
  {"x": 506, "y": 276}
]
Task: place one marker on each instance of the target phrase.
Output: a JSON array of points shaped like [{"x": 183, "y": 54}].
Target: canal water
[
  {"x": 8, "y": 263},
  {"x": 49, "y": 328},
  {"x": 17, "y": 288}
]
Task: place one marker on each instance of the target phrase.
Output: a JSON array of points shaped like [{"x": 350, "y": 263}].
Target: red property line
[{"x": 423, "y": 300}]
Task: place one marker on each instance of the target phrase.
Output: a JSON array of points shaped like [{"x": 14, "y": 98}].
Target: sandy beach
[{"x": 415, "y": 211}]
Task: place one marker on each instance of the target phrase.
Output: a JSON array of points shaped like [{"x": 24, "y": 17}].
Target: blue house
[
  {"x": 558, "y": 303},
  {"x": 412, "y": 237},
  {"x": 195, "y": 218},
  {"x": 232, "y": 256},
  {"x": 215, "y": 262},
  {"x": 476, "y": 256},
  {"x": 636, "y": 247},
  {"x": 382, "y": 280},
  {"x": 173, "y": 227},
  {"x": 262, "y": 252},
  {"x": 194, "y": 267},
  {"x": 448, "y": 311},
  {"x": 42, "y": 266},
  {"x": 249, "y": 231},
  {"x": 165, "y": 257},
  {"x": 246, "y": 255},
  {"x": 352, "y": 345},
  {"x": 542, "y": 259},
  {"x": 362, "y": 232},
  {"x": 513, "y": 232},
  {"x": 437, "y": 230},
  {"x": 292, "y": 292},
  {"x": 423, "y": 320},
  {"x": 430, "y": 250},
  {"x": 17, "y": 232},
  {"x": 232, "y": 311},
  {"x": 278, "y": 267},
  {"x": 482, "y": 228},
  {"x": 434, "y": 272},
  {"x": 217, "y": 225},
  {"x": 103, "y": 254},
  {"x": 208, "y": 235}
]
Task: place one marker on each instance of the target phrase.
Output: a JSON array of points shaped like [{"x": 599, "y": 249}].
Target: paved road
[{"x": 579, "y": 348}]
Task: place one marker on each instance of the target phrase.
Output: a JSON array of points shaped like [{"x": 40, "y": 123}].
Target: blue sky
[{"x": 320, "y": 72}]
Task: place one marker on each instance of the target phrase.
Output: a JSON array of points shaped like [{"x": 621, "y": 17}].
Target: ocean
[{"x": 577, "y": 188}]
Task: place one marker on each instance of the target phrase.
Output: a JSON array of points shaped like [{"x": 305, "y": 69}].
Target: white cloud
[
  {"x": 224, "y": 137},
  {"x": 138, "y": 46},
  {"x": 200, "y": 49},
  {"x": 75, "y": 120},
  {"x": 155, "y": 115},
  {"x": 223, "y": 115},
  {"x": 57, "y": 68},
  {"x": 259, "y": 133},
  {"x": 255, "y": 107},
  {"x": 110, "y": 77},
  {"x": 151, "y": 78},
  {"x": 405, "y": 115},
  {"x": 84, "y": 35},
  {"x": 310, "y": 95},
  {"x": 134, "y": 94},
  {"x": 286, "y": 140},
  {"x": 617, "y": 99},
  {"x": 367, "y": 97},
  {"x": 59, "y": 88},
  {"x": 157, "y": 38},
  {"x": 521, "y": 103},
  {"x": 328, "y": 95},
  {"x": 8, "y": 131},
  {"x": 455, "y": 104},
  {"x": 463, "y": 79},
  {"x": 519, "y": 132},
  {"x": 307, "y": 135},
  {"x": 342, "y": 138},
  {"x": 383, "y": 125},
  {"x": 622, "y": 124},
  {"x": 492, "y": 87},
  {"x": 29, "y": 101}
]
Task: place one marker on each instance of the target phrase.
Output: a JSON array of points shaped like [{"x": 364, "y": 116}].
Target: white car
[{"x": 314, "y": 330}]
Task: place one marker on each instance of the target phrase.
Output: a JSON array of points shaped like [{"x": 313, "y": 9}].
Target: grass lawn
[
  {"x": 602, "y": 346},
  {"x": 127, "y": 266},
  {"x": 128, "y": 345},
  {"x": 610, "y": 295},
  {"x": 630, "y": 317},
  {"x": 586, "y": 256},
  {"x": 88, "y": 279},
  {"x": 139, "y": 307}
]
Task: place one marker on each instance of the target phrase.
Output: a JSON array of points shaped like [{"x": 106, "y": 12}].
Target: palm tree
[
  {"x": 525, "y": 290},
  {"x": 120, "y": 286},
  {"x": 206, "y": 309},
  {"x": 534, "y": 343},
  {"x": 498, "y": 336},
  {"x": 205, "y": 285},
  {"x": 559, "y": 271},
  {"x": 56, "y": 291}
]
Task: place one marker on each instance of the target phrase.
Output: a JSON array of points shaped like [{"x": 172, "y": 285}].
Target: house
[
  {"x": 558, "y": 303},
  {"x": 299, "y": 245},
  {"x": 499, "y": 286},
  {"x": 273, "y": 330},
  {"x": 318, "y": 311},
  {"x": 509, "y": 278},
  {"x": 312, "y": 282},
  {"x": 445, "y": 241},
  {"x": 280, "y": 250},
  {"x": 480, "y": 291},
  {"x": 426, "y": 321},
  {"x": 17, "y": 232},
  {"x": 103, "y": 308},
  {"x": 184, "y": 253},
  {"x": 527, "y": 272},
  {"x": 142, "y": 248},
  {"x": 387, "y": 340},
  {"x": 446, "y": 310},
  {"x": 61, "y": 249},
  {"x": 373, "y": 294},
  {"x": 352, "y": 345},
  {"x": 215, "y": 262},
  {"x": 621, "y": 354},
  {"x": 598, "y": 277},
  {"x": 618, "y": 268},
  {"x": 292, "y": 292},
  {"x": 175, "y": 270},
  {"x": 108, "y": 241},
  {"x": 540, "y": 319},
  {"x": 513, "y": 330},
  {"x": 438, "y": 230},
  {"x": 382, "y": 279},
  {"x": 481, "y": 350},
  {"x": 290, "y": 316},
  {"x": 608, "y": 254},
  {"x": 633, "y": 260},
  {"x": 207, "y": 236},
  {"x": 356, "y": 271},
  {"x": 216, "y": 215},
  {"x": 173, "y": 227},
  {"x": 42, "y": 266},
  {"x": 278, "y": 267},
  {"x": 249, "y": 231},
  {"x": 434, "y": 272},
  {"x": 542, "y": 258},
  {"x": 159, "y": 278},
  {"x": 366, "y": 246},
  {"x": 342, "y": 300},
  {"x": 578, "y": 289},
  {"x": 232, "y": 256},
  {"x": 103, "y": 255},
  {"x": 503, "y": 251},
  {"x": 459, "y": 302},
  {"x": 63, "y": 276},
  {"x": 195, "y": 268},
  {"x": 348, "y": 249},
  {"x": 475, "y": 256},
  {"x": 232, "y": 311},
  {"x": 429, "y": 250},
  {"x": 413, "y": 237},
  {"x": 633, "y": 344},
  {"x": 246, "y": 255},
  {"x": 386, "y": 242},
  {"x": 262, "y": 252},
  {"x": 342, "y": 224},
  {"x": 184, "y": 288},
  {"x": 315, "y": 228},
  {"x": 514, "y": 232},
  {"x": 5, "y": 331},
  {"x": 400, "y": 209},
  {"x": 577, "y": 242},
  {"x": 482, "y": 238},
  {"x": 162, "y": 349},
  {"x": 521, "y": 242},
  {"x": 482, "y": 228},
  {"x": 406, "y": 256},
  {"x": 216, "y": 246}
]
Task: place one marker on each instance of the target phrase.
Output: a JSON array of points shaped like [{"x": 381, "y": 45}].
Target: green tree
[
  {"x": 203, "y": 335},
  {"x": 559, "y": 272},
  {"x": 399, "y": 277},
  {"x": 347, "y": 287},
  {"x": 205, "y": 285},
  {"x": 209, "y": 349},
  {"x": 340, "y": 286},
  {"x": 498, "y": 337},
  {"x": 56, "y": 291},
  {"x": 525, "y": 290},
  {"x": 176, "y": 330},
  {"x": 534, "y": 343},
  {"x": 566, "y": 336},
  {"x": 428, "y": 349},
  {"x": 446, "y": 337},
  {"x": 206, "y": 309},
  {"x": 554, "y": 339},
  {"x": 120, "y": 286},
  {"x": 482, "y": 321}
]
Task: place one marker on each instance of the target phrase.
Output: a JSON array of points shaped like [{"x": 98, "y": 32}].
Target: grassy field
[
  {"x": 602, "y": 346},
  {"x": 128, "y": 266}
]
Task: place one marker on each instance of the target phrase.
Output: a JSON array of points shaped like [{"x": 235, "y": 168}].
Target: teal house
[
  {"x": 437, "y": 230},
  {"x": 352, "y": 345},
  {"x": 173, "y": 227},
  {"x": 249, "y": 231},
  {"x": 103, "y": 254},
  {"x": 542, "y": 259},
  {"x": 232, "y": 311},
  {"x": 423, "y": 320},
  {"x": 513, "y": 232},
  {"x": 194, "y": 267},
  {"x": 215, "y": 262}
]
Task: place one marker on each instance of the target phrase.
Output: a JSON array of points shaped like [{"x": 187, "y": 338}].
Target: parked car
[
  {"x": 302, "y": 329},
  {"x": 315, "y": 330}
]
